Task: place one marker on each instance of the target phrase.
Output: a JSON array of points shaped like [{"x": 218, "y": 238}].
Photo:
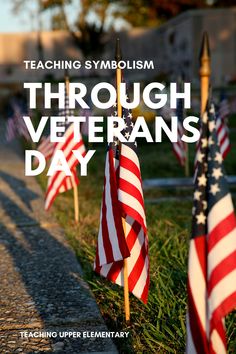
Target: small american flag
[
  {"x": 15, "y": 123},
  {"x": 123, "y": 197},
  {"x": 10, "y": 129},
  {"x": 212, "y": 254},
  {"x": 59, "y": 182},
  {"x": 222, "y": 131},
  {"x": 46, "y": 147},
  {"x": 179, "y": 147},
  {"x": 222, "y": 127},
  {"x": 224, "y": 108}
]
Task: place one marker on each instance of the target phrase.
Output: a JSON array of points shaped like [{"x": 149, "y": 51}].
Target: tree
[{"x": 96, "y": 17}]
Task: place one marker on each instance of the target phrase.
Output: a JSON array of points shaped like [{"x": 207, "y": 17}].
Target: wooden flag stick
[
  {"x": 186, "y": 165},
  {"x": 75, "y": 188},
  {"x": 205, "y": 71},
  {"x": 76, "y": 202},
  {"x": 119, "y": 113}
]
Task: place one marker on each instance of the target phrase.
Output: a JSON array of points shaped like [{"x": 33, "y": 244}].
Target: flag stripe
[
  {"x": 227, "y": 305},
  {"x": 127, "y": 185},
  {"x": 217, "y": 344},
  {"x": 219, "y": 212},
  {"x": 224, "y": 246},
  {"x": 220, "y": 271},
  {"x": 197, "y": 332},
  {"x": 196, "y": 276},
  {"x": 222, "y": 290}
]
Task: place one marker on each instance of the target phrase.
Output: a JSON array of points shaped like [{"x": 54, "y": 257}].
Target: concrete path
[{"x": 41, "y": 286}]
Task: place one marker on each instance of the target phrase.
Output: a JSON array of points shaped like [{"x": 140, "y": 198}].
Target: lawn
[{"x": 159, "y": 326}]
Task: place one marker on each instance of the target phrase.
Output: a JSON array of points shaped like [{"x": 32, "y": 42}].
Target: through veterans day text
[{"x": 152, "y": 95}]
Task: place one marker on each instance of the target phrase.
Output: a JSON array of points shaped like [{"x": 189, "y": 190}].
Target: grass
[{"x": 159, "y": 326}]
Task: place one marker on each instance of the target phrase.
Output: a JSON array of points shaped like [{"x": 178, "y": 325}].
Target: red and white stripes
[
  {"x": 58, "y": 180},
  {"x": 179, "y": 147},
  {"x": 127, "y": 202},
  {"x": 212, "y": 281},
  {"x": 223, "y": 136},
  {"x": 197, "y": 324},
  {"x": 46, "y": 147},
  {"x": 130, "y": 192},
  {"x": 138, "y": 262},
  {"x": 130, "y": 196},
  {"x": 111, "y": 245}
]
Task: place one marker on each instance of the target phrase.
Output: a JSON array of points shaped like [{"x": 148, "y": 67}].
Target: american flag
[
  {"x": 222, "y": 129},
  {"x": 46, "y": 147},
  {"x": 10, "y": 129},
  {"x": 179, "y": 147},
  {"x": 15, "y": 123},
  {"x": 59, "y": 182},
  {"x": 224, "y": 108},
  {"x": 123, "y": 197},
  {"x": 212, "y": 254}
]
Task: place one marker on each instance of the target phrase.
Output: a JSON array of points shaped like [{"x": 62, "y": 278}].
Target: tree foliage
[{"x": 96, "y": 17}]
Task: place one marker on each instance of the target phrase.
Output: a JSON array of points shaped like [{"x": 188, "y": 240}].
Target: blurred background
[{"x": 168, "y": 32}]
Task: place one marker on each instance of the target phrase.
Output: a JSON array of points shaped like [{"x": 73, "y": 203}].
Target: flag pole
[
  {"x": 119, "y": 113},
  {"x": 76, "y": 202},
  {"x": 205, "y": 71},
  {"x": 75, "y": 188},
  {"x": 186, "y": 164}
]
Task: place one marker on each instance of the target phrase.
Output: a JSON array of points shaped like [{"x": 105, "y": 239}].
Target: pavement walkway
[{"x": 41, "y": 285}]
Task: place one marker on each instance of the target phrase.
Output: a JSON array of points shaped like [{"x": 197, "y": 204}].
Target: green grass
[{"x": 159, "y": 326}]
